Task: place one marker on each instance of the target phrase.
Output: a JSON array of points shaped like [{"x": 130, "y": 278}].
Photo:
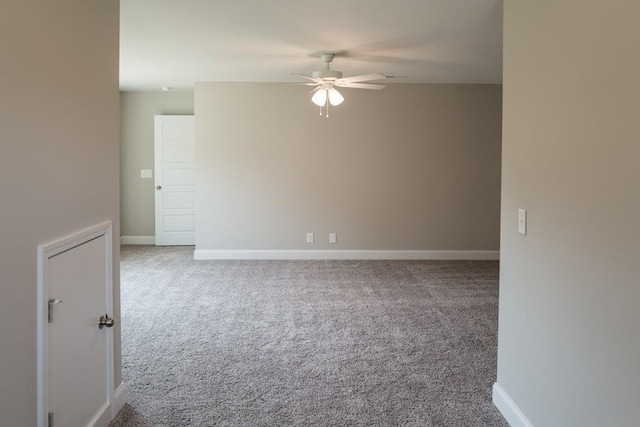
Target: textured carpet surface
[{"x": 306, "y": 343}]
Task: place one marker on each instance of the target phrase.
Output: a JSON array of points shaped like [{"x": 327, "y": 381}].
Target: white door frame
[{"x": 45, "y": 252}]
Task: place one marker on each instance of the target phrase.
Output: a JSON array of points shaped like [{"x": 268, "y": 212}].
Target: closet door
[{"x": 76, "y": 340}]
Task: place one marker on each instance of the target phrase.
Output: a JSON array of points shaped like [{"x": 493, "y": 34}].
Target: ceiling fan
[{"x": 327, "y": 80}]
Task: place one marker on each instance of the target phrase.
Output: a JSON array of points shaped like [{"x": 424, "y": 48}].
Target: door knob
[
  {"x": 105, "y": 321},
  {"x": 159, "y": 187}
]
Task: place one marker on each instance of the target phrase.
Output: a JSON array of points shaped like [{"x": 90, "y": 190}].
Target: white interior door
[
  {"x": 175, "y": 180},
  {"x": 75, "y": 354}
]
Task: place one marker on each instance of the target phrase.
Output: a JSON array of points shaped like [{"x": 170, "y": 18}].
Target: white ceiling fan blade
[
  {"x": 361, "y": 86},
  {"x": 304, "y": 76},
  {"x": 362, "y": 78}
]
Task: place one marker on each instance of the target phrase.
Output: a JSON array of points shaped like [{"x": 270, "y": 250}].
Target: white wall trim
[
  {"x": 203, "y": 254},
  {"x": 508, "y": 408},
  {"x": 119, "y": 400},
  {"x": 137, "y": 240}
]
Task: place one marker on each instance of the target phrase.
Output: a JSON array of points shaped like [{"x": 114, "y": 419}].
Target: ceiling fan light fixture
[
  {"x": 335, "y": 97},
  {"x": 319, "y": 98}
]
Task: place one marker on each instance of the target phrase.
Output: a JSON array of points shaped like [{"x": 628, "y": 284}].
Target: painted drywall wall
[
  {"x": 136, "y": 117},
  {"x": 59, "y": 164},
  {"x": 410, "y": 167},
  {"x": 569, "y": 346}
]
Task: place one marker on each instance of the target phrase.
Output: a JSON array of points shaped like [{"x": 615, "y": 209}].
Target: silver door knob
[
  {"x": 105, "y": 321},
  {"x": 159, "y": 187}
]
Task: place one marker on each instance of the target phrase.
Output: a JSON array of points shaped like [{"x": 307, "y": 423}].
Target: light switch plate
[
  {"x": 146, "y": 173},
  {"x": 522, "y": 222}
]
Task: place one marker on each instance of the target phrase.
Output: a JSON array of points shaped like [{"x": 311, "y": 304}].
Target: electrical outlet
[
  {"x": 333, "y": 238},
  {"x": 309, "y": 237}
]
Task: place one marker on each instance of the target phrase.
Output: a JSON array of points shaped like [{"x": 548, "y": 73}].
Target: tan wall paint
[
  {"x": 568, "y": 336},
  {"x": 59, "y": 163},
  {"x": 411, "y": 167},
  {"x": 136, "y": 115}
]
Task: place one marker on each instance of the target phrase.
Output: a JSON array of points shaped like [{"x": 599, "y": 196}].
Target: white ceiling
[{"x": 178, "y": 42}]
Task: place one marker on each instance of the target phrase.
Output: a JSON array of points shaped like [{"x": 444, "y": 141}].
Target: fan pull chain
[{"x": 327, "y": 116}]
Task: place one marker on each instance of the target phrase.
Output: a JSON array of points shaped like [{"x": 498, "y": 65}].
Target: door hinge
[
  {"x": 50, "y": 422},
  {"x": 52, "y": 302}
]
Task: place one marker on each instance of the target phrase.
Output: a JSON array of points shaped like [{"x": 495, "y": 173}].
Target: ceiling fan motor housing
[{"x": 327, "y": 74}]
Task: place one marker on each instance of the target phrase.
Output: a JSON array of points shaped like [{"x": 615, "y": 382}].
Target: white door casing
[
  {"x": 174, "y": 152},
  {"x": 75, "y": 356}
]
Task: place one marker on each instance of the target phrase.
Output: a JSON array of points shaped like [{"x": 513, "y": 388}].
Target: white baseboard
[
  {"x": 119, "y": 399},
  {"x": 203, "y": 254},
  {"x": 137, "y": 240},
  {"x": 508, "y": 408}
]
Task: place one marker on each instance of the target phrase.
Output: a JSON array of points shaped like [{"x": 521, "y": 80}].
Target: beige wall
[
  {"x": 137, "y": 194},
  {"x": 59, "y": 163},
  {"x": 569, "y": 347},
  {"x": 411, "y": 167}
]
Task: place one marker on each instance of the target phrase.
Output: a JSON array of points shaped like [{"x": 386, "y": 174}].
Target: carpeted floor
[{"x": 306, "y": 343}]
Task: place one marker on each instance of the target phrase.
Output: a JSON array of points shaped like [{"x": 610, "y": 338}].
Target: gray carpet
[{"x": 306, "y": 343}]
